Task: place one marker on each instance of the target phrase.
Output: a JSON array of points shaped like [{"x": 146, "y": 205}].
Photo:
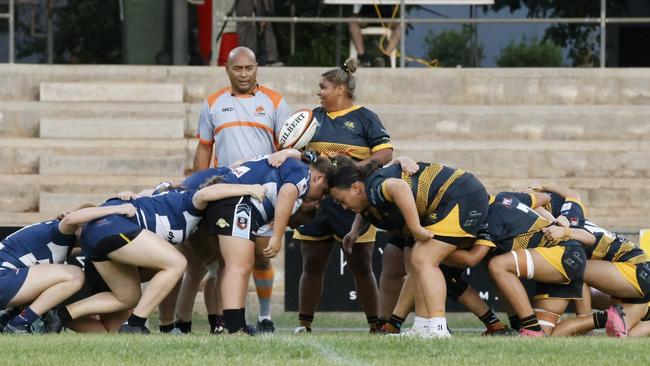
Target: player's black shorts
[
  {"x": 456, "y": 285},
  {"x": 331, "y": 221},
  {"x": 401, "y": 241},
  {"x": 570, "y": 259},
  {"x": 234, "y": 216}
]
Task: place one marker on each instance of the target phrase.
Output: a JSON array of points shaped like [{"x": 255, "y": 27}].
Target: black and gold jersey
[
  {"x": 511, "y": 224},
  {"x": 611, "y": 247},
  {"x": 356, "y": 132},
  {"x": 429, "y": 185}
]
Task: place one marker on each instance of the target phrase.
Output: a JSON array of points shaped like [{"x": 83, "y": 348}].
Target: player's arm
[
  {"x": 467, "y": 258},
  {"x": 559, "y": 234},
  {"x": 399, "y": 192},
  {"x": 279, "y": 157},
  {"x": 216, "y": 192},
  {"x": 69, "y": 222},
  {"x": 287, "y": 196},
  {"x": 544, "y": 213},
  {"x": 384, "y": 156},
  {"x": 202, "y": 156},
  {"x": 562, "y": 191},
  {"x": 359, "y": 225}
]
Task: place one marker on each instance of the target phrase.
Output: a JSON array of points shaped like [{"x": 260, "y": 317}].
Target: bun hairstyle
[
  {"x": 348, "y": 172},
  {"x": 343, "y": 76},
  {"x": 318, "y": 162}
]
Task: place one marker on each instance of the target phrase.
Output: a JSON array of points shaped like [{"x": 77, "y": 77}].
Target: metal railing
[{"x": 602, "y": 21}]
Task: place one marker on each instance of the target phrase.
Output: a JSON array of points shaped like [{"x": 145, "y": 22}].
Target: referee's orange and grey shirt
[{"x": 242, "y": 126}]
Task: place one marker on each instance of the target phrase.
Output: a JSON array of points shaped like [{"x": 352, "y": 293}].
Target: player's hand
[
  {"x": 409, "y": 166},
  {"x": 126, "y": 196},
  {"x": 556, "y": 234},
  {"x": 421, "y": 234},
  {"x": 275, "y": 244},
  {"x": 278, "y": 158},
  {"x": 126, "y": 209},
  {"x": 563, "y": 221},
  {"x": 348, "y": 241},
  {"x": 258, "y": 192}
]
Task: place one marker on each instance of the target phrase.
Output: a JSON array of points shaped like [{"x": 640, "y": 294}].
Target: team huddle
[{"x": 230, "y": 217}]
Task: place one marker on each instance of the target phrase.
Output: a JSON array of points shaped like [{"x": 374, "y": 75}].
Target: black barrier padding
[{"x": 339, "y": 293}]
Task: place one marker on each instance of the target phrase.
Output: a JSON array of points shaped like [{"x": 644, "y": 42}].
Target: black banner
[{"x": 339, "y": 293}]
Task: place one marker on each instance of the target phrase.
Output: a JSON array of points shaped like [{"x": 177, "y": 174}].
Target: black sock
[
  {"x": 515, "y": 323},
  {"x": 372, "y": 322},
  {"x": 166, "y": 328},
  {"x": 600, "y": 318},
  {"x": 243, "y": 316},
  {"x": 184, "y": 327},
  {"x": 381, "y": 322},
  {"x": 396, "y": 321},
  {"x": 491, "y": 321},
  {"x": 531, "y": 323},
  {"x": 212, "y": 319},
  {"x": 136, "y": 321},
  {"x": 64, "y": 314},
  {"x": 306, "y": 320},
  {"x": 233, "y": 320}
]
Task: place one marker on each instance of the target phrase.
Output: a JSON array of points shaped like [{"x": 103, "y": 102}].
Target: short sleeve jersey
[
  {"x": 356, "y": 132},
  {"x": 34, "y": 244},
  {"x": 259, "y": 171},
  {"x": 511, "y": 224},
  {"x": 242, "y": 127}
]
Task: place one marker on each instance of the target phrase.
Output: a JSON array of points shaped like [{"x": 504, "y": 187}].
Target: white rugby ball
[{"x": 297, "y": 130}]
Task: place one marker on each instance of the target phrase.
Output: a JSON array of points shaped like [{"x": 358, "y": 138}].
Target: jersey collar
[
  {"x": 342, "y": 112},
  {"x": 250, "y": 93}
]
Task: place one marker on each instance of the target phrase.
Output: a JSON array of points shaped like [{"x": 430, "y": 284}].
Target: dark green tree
[
  {"x": 580, "y": 39},
  {"x": 453, "y": 48},
  {"x": 530, "y": 54}
]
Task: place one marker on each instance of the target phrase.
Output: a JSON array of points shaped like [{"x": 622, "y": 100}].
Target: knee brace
[
  {"x": 524, "y": 267},
  {"x": 546, "y": 318}
]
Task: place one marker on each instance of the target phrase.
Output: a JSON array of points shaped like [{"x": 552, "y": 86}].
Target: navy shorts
[
  {"x": 11, "y": 280},
  {"x": 109, "y": 233}
]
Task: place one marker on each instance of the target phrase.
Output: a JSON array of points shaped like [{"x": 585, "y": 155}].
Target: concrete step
[
  {"x": 21, "y": 155},
  {"x": 22, "y": 118},
  {"x": 443, "y": 86},
  {"x": 21, "y": 191},
  {"x": 53, "y": 202},
  {"x": 498, "y": 122},
  {"x": 113, "y": 165},
  {"x": 536, "y": 159},
  {"x": 111, "y": 92},
  {"x": 118, "y": 128}
]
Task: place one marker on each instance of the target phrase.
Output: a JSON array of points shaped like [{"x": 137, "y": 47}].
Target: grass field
[{"x": 340, "y": 340}]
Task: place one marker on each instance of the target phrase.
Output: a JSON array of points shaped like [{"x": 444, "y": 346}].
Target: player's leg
[
  {"x": 315, "y": 257},
  {"x": 360, "y": 262},
  {"x": 263, "y": 276},
  {"x": 390, "y": 280},
  {"x": 239, "y": 256},
  {"x": 45, "y": 286}
]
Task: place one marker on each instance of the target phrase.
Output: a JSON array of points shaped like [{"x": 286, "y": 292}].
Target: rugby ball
[{"x": 297, "y": 130}]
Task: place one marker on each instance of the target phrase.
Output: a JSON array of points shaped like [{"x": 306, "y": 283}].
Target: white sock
[
  {"x": 265, "y": 317},
  {"x": 438, "y": 325},
  {"x": 420, "y": 323}
]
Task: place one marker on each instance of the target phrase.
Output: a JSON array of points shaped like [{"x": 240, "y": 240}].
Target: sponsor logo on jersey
[
  {"x": 228, "y": 109},
  {"x": 349, "y": 125},
  {"x": 222, "y": 223},
  {"x": 260, "y": 110}
]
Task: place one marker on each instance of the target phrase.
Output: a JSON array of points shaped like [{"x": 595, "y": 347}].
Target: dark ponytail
[{"x": 348, "y": 172}]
